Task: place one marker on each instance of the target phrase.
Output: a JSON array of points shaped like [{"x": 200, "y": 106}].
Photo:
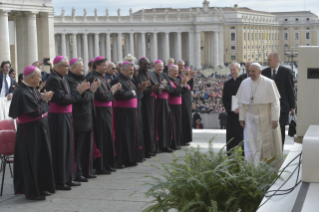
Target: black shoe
[
  {"x": 45, "y": 193},
  {"x": 36, "y": 198},
  {"x": 110, "y": 169},
  {"x": 72, "y": 183},
  {"x": 142, "y": 160},
  {"x": 81, "y": 179},
  {"x": 151, "y": 154},
  {"x": 63, "y": 187},
  {"x": 90, "y": 176},
  {"x": 147, "y": 156},
  {"x": 131, "y": 164},
  {"x": 167, "y": 149},
  {"x": 120, "y": 166},
  {"x": 186, "y": 144},
  {"x": 102, "y": 171}
]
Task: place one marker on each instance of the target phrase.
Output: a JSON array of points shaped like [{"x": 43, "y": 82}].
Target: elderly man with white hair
[
  {"x": 33, "y": 172},
  {"x": 259, "y": 116},
  {"x": 60, "y": 123},
  {"x": 82, "y": 112}
]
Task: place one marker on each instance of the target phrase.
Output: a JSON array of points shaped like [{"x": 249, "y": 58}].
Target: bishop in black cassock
[
  {"x": 147, "y": 108},
  {"x": 234, "y": 130},
  {"x": 103, "y": 128},
  {"x": 126, "y": 119},
  {"x": 162, "y": 114},
  {"x": 33, "y": 172},
  {"x": 187, "y": 121},
  {"x": 60, "y": 123}
]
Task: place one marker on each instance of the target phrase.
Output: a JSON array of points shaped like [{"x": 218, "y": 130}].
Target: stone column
[
  {"x": 68, "y": 45},
  {"x": 126, "y": 44},
  {"x": 221, "y": 48},
  {"x": 143, "y": 45},
  {"x": 191, "y": 49},
  {"x": 166, "y": 47},
  {"x": 79, "y": 45},
  {"x": 32, "y": 39},
  {"x": 132, "y": 52},
  {"x": 63, "y": 44},
  {"x": 154, "y": 47},
  {"x": 90, "y": 46},
  {"x": 197, "y": 51},
  {"x": 20, "y": 45},
  {"x": 85, "y": 52},
  {"x": 74, "y": 46},
  {"x": 108, "y": 46},
  {"x": 115, "y": 59},
  {"x": 102, "y": 45},
  {"x": 119, "y": 47},
  {"x": 96, "y": 45},
  {"x": 56, "y": 37},
  {"x": 178, "y": 46},
  {"x": 4, "y": 36},
  {"x": 216, "y": 48}
]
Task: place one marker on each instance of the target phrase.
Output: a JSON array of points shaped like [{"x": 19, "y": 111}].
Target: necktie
[
  {"x": 273, "y": 74},
  {"x": 6, "y": 89}
]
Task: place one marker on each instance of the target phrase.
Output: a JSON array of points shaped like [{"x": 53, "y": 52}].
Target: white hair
[
  {"x": 59, "y": 63},
  {"x": 180, "y": 61},
  {"x": 33, "y": 73},
  {"x": 76, "y": 63},
  {"x": 235, "y": 64},
  {"x": 35, "y": 63},
  {"x": 173, "y": 66},
  {"x": 124, "y": 67},
  {"x": 256, "y": 64},
  {"x": 110, "y": 64}
]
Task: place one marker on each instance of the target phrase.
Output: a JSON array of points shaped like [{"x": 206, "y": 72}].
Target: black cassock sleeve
[
  {"x": 87, "y": 96},
  {"x": 59, "y": 96},
  {"x": 226, "y": 98},
  {"x": 44, "y": 107}
]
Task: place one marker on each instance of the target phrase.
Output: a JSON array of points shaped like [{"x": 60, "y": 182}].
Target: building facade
[{"x": 202, "y": 36}]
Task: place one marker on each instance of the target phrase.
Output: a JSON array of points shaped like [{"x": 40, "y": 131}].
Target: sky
[{"x": 125, "y": 5}]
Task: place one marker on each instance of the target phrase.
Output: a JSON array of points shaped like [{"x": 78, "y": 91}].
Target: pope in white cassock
[{"x": 259, "y": 115}]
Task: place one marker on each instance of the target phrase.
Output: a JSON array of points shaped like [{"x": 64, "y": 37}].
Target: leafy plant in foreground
[{"x": 199, "y": 182}]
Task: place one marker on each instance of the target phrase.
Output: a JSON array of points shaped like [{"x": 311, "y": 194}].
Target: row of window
[
  {"x": 234, "y": 48},
  {"x": 297, "y": 37}
]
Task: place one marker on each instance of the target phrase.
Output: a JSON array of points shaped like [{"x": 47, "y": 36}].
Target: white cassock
[{"x": 259, "y": 106}]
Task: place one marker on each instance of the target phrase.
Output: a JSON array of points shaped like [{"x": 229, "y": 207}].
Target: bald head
[
  {"x": 170, "y": 61},
  {"x": 111, "y": 68},
  {"x": 273, "y": 60}
]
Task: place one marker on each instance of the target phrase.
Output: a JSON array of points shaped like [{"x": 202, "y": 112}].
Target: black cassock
[
  {"x": 233, "y": 130},
  {"x": 103, "y": 128},
  {"x": 162, "y": 114},
  {"x": 61, "y": 128},
  {"x": 148, "y": 114},
  {"x": 187, "y": 120},
  {"x": 126, "y": 122},
  {"x": 175, "y": 103},
  {"x": 33, "y": 171},
  {"x": 140, "y": 136},
  {"x": 82, "y": 112}
]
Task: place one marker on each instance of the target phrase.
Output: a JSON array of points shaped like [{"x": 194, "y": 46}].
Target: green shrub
[{"x": 199, "y": 182}]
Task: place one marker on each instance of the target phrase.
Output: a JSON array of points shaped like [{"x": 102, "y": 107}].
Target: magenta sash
[
  {"x": 131, "y": 103},
  {"x": 102, "y": 104},
  {"x": 55, "y": 108},
  {"x": 152, "y": 94},
  {"x": 163, "y": 95},
  {"x": 173, "y": 84},
  {"x": 175, "y": 100},
  {"x": 26, "y": 119}
]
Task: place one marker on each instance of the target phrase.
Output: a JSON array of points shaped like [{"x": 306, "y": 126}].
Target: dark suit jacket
[
  {"x": 13, "y": 82},
  {"x": 285, "y": 85},
  {"x": 244, "y": 76}
]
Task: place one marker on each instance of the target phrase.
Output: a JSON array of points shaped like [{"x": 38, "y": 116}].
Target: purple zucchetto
[
  {"x": 158, "y": 61},
  {"x": 57, "y": 59},
  {"x": 28, "y": 70},
  {"x": 92, "y": 60},
  {"x": 125, "y": 62},
  {"x": 73, "y": 60},
  {"x": 98, "y": 58}
]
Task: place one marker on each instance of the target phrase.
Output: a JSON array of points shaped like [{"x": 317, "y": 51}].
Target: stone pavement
[{"x": 119, "y": 192}]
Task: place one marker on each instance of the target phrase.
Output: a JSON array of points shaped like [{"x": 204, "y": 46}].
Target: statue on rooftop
[{"x": 85, "y": 12}]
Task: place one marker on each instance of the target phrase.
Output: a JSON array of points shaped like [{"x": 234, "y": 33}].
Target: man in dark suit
[
  {"x": 6, "y": 82},
  {"x": 246, "y": 75},
  {"x": 111, "y": 72},
  {"x": 284, "y": 80}
]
